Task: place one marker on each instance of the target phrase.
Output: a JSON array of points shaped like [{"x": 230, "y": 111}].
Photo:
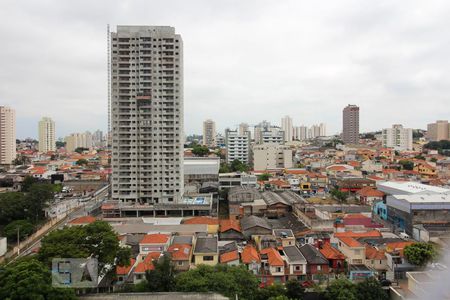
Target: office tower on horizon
[
  {"x": 350, "y": 124},
  {"x": 209, "y": 133},
  {"x": 286, "y": 126},
  {"x": 147, "y": 114},
  {"x": 47, "y": 140},
  {"x": 7, "y": 135},
  {"x": 440, "y": 130}
]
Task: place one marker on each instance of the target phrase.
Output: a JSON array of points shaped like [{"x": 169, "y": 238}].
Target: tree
[
  {"x": 161, "y": 278},
  {"x": 370, "y": 289},
  {"x": 226, "y": 280},
  {"x": 81, "y": 149},
  {"x": 13, "y": 206},
  {"x": 264, "y": 177},
  {"x": 341, "y": 196},
  {"x": 406, "y": 164},
  {"x": 419, "y": 253},
  {"x": 238, "y": 166},
  {"x": 60, "y": 144},
  {"x": 199, "y": 150},
  {"x": 27, "y": 182},
  {"x": 420, "y": 156},
  {"x": 81, "y": 162},
  {"x": 433, "y": 159},
  {"x": 341, "y": 289},
  {"x": 27, "y": 278},
  {"x": 97, "y": 239},
  {"x": 39, "y": 196},
  {"x": 294, "y": 289},
  {"x": 224, "y": 168},
  {"x": 23, "y": 227},
  {"x": 270, "y": 292}
]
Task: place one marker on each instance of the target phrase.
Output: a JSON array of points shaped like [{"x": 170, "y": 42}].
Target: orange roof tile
[
  {"x": 180, "y": 251},
  {"x": 83, "y": 220},
  {"x": 142, "y": 267},
  {"x": 202, "y": 220},
  {"x": 228, "y": 224},
  {"x": 155, "y": 238},
  {"x": 250, "y": 254},
  {"x": 229, "y": 256},
  {"x": 351, "y": 242},
  {"x": 295, "y": 171},
  {"x": 373, "y": 253},
  {"x": 370, "y": 192},
  {"x": 337, "y": 168},
  {"x": 330, "y": 252},
  {"x": 124, "y": 270},
  {"x": 274, "y": 257},
  {"x": 397, "y": 246},
  {"x": 372, "y": 233}
]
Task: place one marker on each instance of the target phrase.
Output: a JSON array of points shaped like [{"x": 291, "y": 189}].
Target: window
[
  {"x": 278, "y": 269},
  {"x": 208, "y": 258},
  {"x": 298, "y": 268},
  {"x": 319, "y": 268},
  {"x": 180, "y": 262}
]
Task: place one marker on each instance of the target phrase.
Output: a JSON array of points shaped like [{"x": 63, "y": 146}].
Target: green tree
[
  {"x": 97, "y": 239},
  {"x": 238, "y": 166},
  {"x": 23, "y": 227},
  {"x": 29, "y": 279},
  {"x": 81, "y": 162},
  {"x": 341, "y": 289},
  {"x": 280, "y": 297},
  {"x": 420, "y": 156},
  {"x": 13, "y": 206},
  {"x": 60, "y": 144},
  {"x": 370, "y": 289},
  {"x": 419, "y": 253},
  {"x": 27, "y": 182},
  {"x": 39, "y": 196},
  {"x": 161, "y": 278},
  {"x": 341, "y": 196},
  {"x": 406, "y": 164},
  {"x": 224, "y": 168},
  {"x": 264, "y": 177},
  {"x": 226, "y": 280},
  {"x": 294, "y": 289},
  {"x": 271, "y": 291},
  {"x": 81, "y": 150},
  {"x": 199, "y": 150}
]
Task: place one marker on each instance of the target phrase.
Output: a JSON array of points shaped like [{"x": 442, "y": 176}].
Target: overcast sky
[{"x": 245, "y": 61}]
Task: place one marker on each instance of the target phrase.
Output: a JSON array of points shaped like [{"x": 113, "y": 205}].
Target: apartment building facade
[
  {"x": 238, "y": 146},
  {"x": 397, "y": 137},
  {"x": 272, "y": 156},
  {"x": 209, "y": 133},
  {"x": 440, "y": 130},
  {"x": 350, "y": 124},
  {"x": 7, "y": 135},
  {"x": 47, "y": 141},
  {"x": 147, "y": 114}
]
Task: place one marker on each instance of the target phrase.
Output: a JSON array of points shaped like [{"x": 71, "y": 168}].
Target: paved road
[{"x": 82, "y": 210}]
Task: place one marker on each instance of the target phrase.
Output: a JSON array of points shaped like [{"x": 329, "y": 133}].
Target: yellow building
[{"x": 206, "y": 251}]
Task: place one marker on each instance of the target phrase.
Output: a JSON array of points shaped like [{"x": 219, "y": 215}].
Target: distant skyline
[{"x": 245, "y": 61}]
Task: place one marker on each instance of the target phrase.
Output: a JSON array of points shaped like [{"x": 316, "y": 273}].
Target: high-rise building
[
  {"x": 97, "y": 139},
  {"x": 301, "y": 133},
  {"x": 209, "y": 133},
  {"x": 286, "y": 125},
  {"x": 397, "y": 137},
  {"x": 272, "y": 156},
  {"x": 7, "y": 135},
  {"x": 78, "y": 140},
  {"x": 350, "y": 124},
  {"x": 438, "y": 131},
  {"x": 323, "y": 129},
  {"x": 238, "y": 146},
  {"x": 147, "y": 114},
  {"x": 243, "y": 128},
  {"x": 47, "y": 140}
]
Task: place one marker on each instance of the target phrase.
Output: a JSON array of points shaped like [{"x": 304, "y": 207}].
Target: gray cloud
[{"x": 244, "y": 60}]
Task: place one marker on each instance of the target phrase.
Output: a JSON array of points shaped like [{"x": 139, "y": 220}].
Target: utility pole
[{"x": 18, "y": 240}]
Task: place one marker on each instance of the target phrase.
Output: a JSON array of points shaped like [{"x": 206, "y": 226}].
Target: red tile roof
[
  {"x": 229, "y": 224},
  {"x": 274, "y": 257},
  {"x": 229, "y": 256},
  {"x": 202, "y": 220},
  {"x": 83, "y": 220},
  {"x": 124, "y": 270},
  {"x": 351, "y": 242},
  {"x": 373, "y": 253},
  {"x": 155, "y": 238},
  {"x": 180, "y": 251},
  {"x": 250, "y": 254},
  {"x": 330, "y": 252},
  {"x": 370, "y": 192},
  {"x": 372, "y": 233},
  {"x": 397, "y": 246}
]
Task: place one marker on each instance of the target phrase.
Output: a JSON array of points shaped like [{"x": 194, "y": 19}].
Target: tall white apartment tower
[
  {"x": 47, "y": 140},
  {"x": 147, "y": 114},
  {"x": 7, "y": 135},
  {"x": 286, "y": 125},
  {"x": 397, "y": 137},
  {"x": 209, "y": 133}
]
